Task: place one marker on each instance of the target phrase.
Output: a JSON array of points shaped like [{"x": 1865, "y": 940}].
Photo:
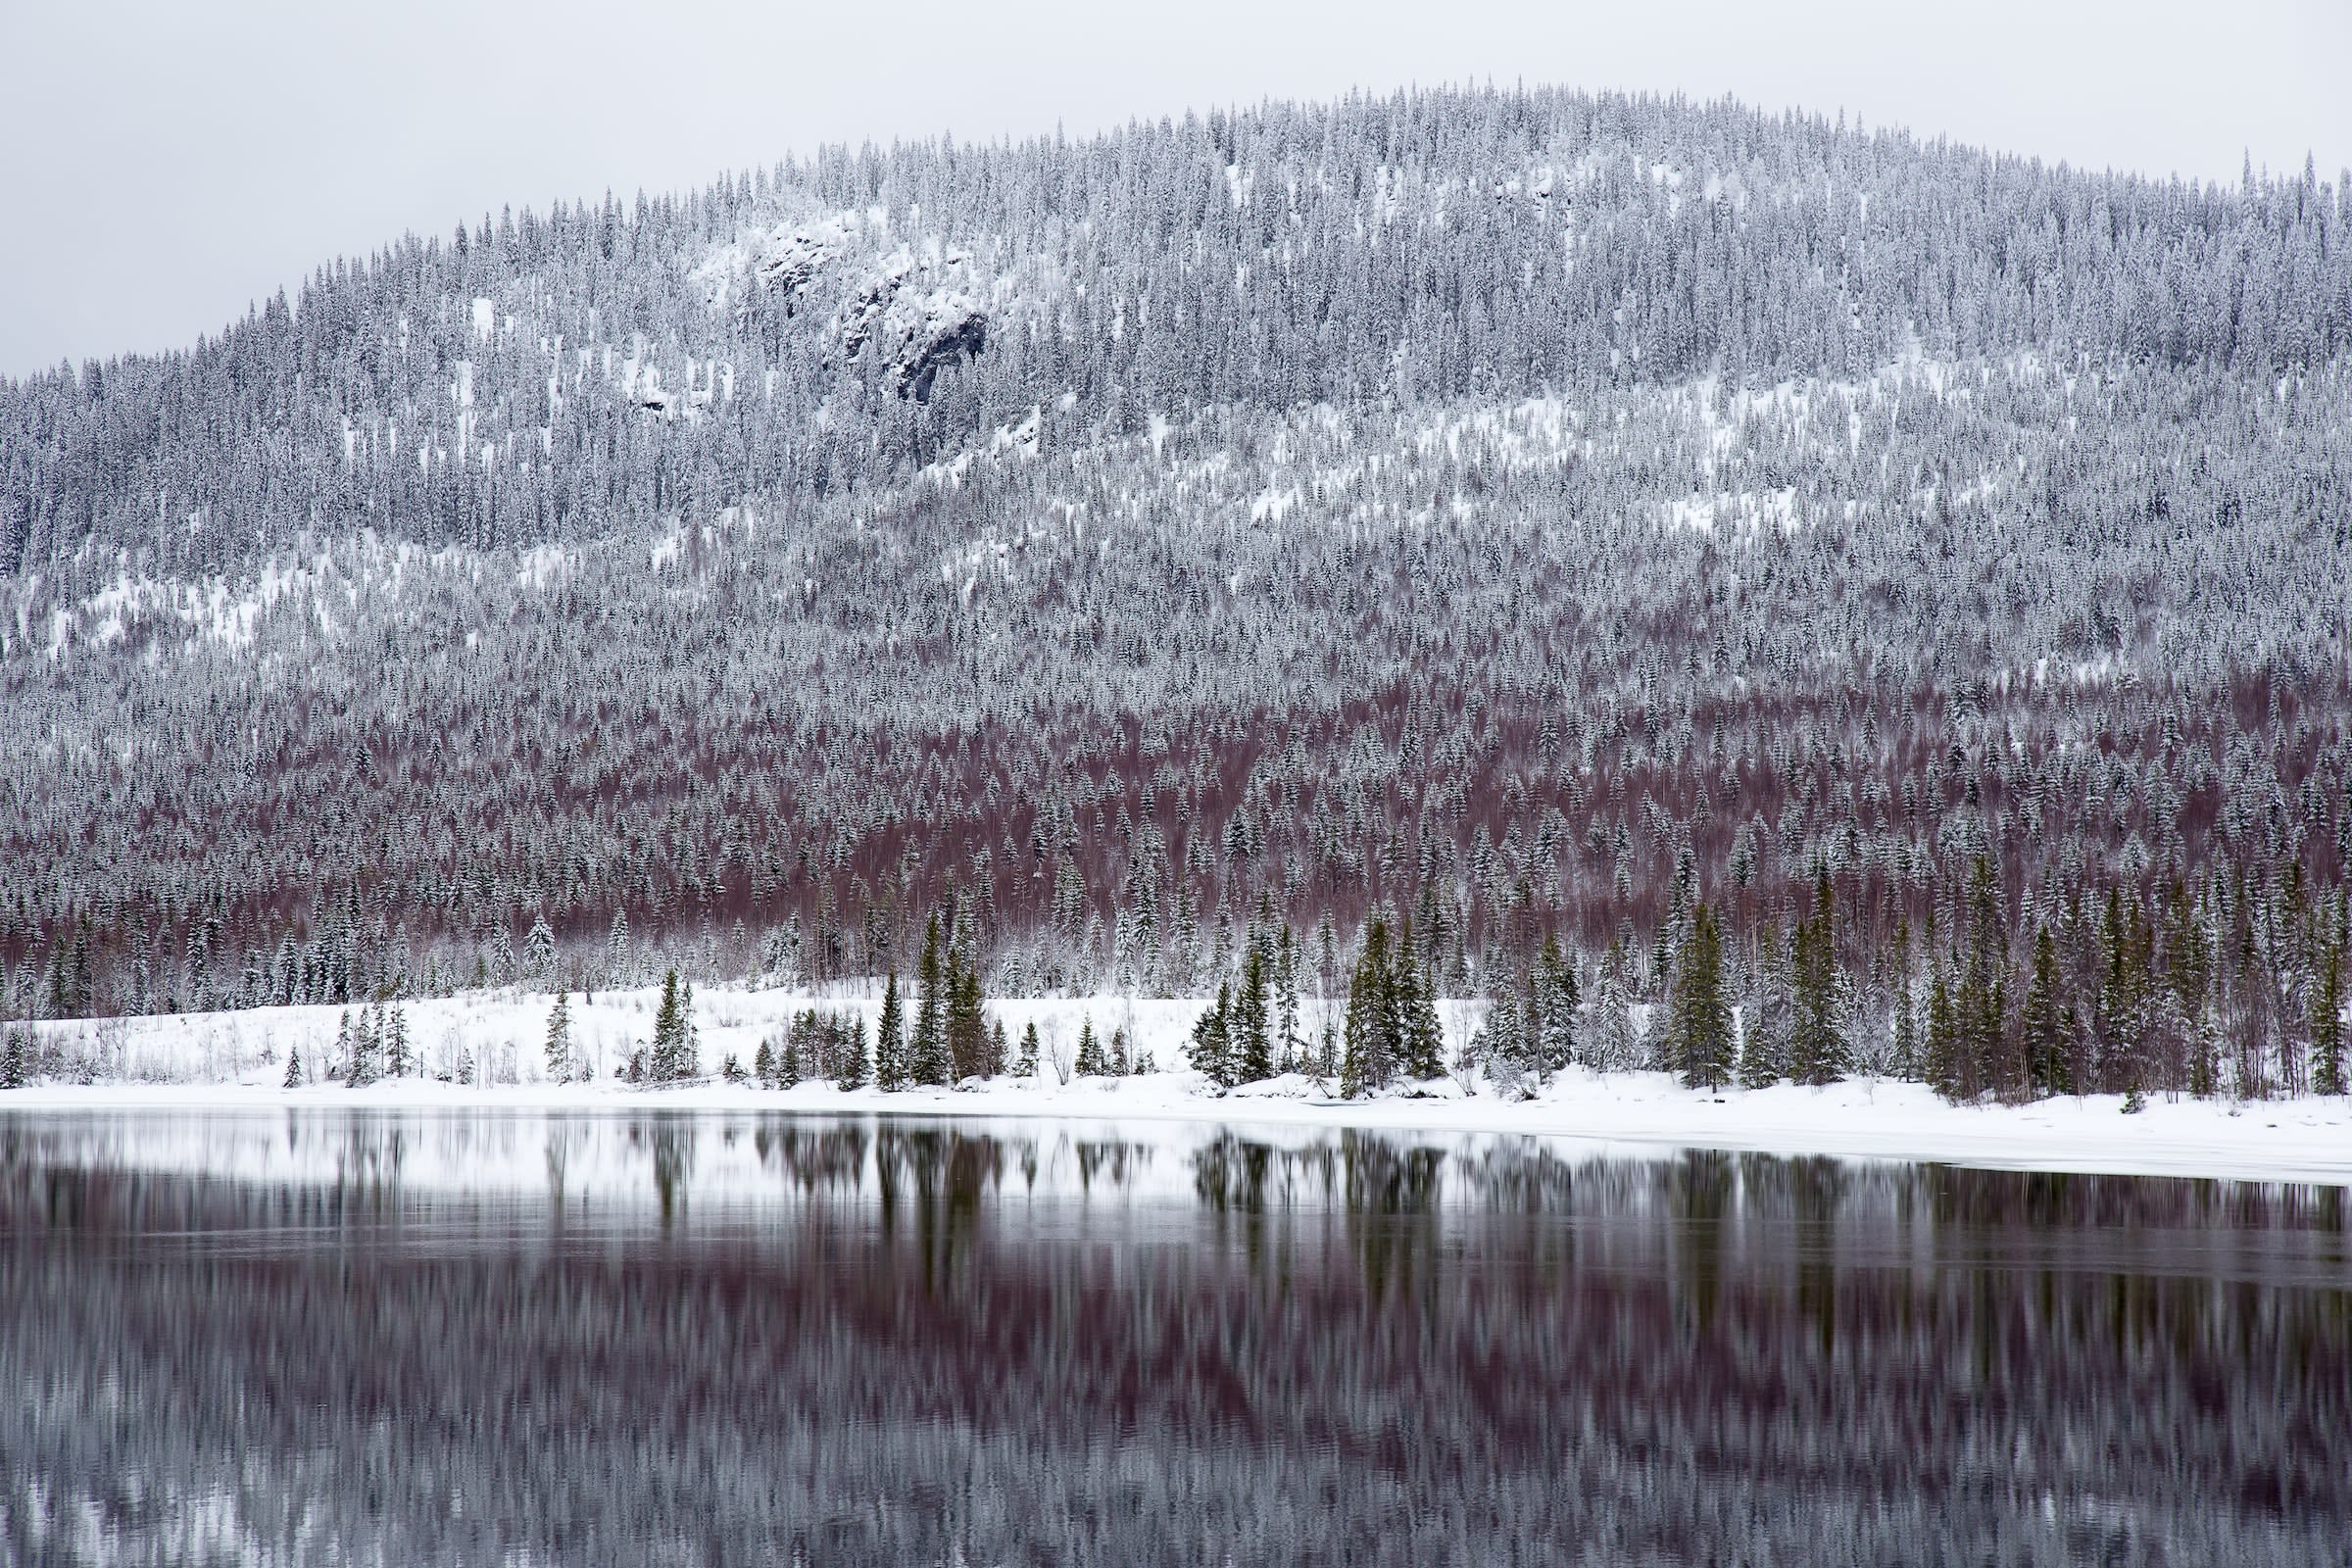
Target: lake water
[{"x": 642, "y": 1339}]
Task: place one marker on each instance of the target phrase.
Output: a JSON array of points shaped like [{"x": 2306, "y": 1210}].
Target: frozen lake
[{"x": 545, "y": 1337}]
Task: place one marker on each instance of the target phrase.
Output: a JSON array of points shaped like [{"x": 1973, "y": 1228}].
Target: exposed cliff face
[
  {"x": 831, "y": 286},
  {"x": 919, "y": 318}
]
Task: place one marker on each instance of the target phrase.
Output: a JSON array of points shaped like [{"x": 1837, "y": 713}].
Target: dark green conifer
[
  {"x": 927, "y": 1060},
  {"x": 1817, "y": 1043},
  {"x": 890, "y": 1039},
  {"x": 1090, "y": 1062},
  {"x": 2043, "y": 1022},
  {"x": 2327, "y": 1013},
  {"x": 1251, "y": 1056},
  {"x": 1700, "y": 1042},
  {"x": 1371, "y": 1039}
]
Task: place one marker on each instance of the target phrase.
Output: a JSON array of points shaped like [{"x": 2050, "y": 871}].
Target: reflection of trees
[
  {"x": 1722, "y": 1366},
  {"x": 1698, "y": 1191},
  {"x": 930, "y": 1184},
  {"x": 669, "y": 1142}
]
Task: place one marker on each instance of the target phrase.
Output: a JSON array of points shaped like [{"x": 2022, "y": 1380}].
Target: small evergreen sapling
[
  {"x": 1090, "y": 1052},
  {"x": 559, "y": 1040}
]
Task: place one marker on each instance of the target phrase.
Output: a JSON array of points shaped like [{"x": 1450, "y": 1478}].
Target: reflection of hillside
[{"x": 1357, "y": 1349}]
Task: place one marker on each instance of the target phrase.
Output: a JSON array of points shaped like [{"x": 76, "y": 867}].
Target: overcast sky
[{"x": 167, "y": 162}]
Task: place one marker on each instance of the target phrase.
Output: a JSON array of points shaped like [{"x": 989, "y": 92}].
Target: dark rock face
[{"x": 961, "y": 338}]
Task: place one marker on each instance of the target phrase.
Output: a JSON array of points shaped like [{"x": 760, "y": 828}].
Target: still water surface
[{"x": 474, "y": 1339}]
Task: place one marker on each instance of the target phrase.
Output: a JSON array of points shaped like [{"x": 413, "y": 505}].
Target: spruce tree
[
  {"x": 993, "y": 1066},
  {"x": 559, "y": 1039},
  {"x": 890, "y": 1039},
  {"x": 2043, "y": 1022},
  {"x": 927, "y": 1060},
  {"x": 854, "y": 1064},
  {"x": 1768, "y": 1018},
  {"x": 293, "y": 1078},
  {"x": 764, "y": 1063},
  {"x": 1903, "y": 995},
  {"x": 2328, "y": 1014},
  {"x": 539, "y": 948},
  {"x": 1942, "y": 1067},
  {"x": 1512, "y": 1061},
  {"x": 1090, "y": 1062},
  {"x": 1371, "y": 1040},
  {"x": 617, "y": 949},
  {"x": 361, "y": 1070},
  {"x": 673, "y": 1054},
  {"x": 398, "y": 1063},
  {"x": 964, "y": 1021},
  {"x": 1251, "y": 1054},
  {"x": 1700, "y": 1042},
  {"x": 1420, "y": 1036},
  {"x": 1816, "y": 1044},
  {"x": 1556, "y": 999},
  {"x": 1026, "y": 1066},
  {"x": 1289, "y": 1045}
]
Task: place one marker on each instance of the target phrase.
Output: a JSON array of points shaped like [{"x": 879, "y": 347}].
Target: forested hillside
[{"x": 1903, "y": 584}]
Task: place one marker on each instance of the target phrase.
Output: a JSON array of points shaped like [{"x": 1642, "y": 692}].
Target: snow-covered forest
[{"x": 1643, "y": 560}]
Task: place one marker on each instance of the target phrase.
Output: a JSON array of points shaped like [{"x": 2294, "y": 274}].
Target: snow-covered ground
[{"x": 238, "y": 1061}]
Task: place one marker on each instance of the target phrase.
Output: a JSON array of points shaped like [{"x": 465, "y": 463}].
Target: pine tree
[
  {"x": 853, "y": 1063},
  {"x": 339, "y": 1063},
  {"x": 293, "y": 1067},
  {"x": 560, "y": 1068},
  {"x": 890, "y": 1039},
  {"x": 1371, "y": 1040},
  {"x": 1420, "y": 1036},
  {"x": 361, "y": 1070},
  {"x": 764, "y": 1063},
  {"x": 1702, "y": 1039},
  {"x": 993, "y": 1066},
  {"x": 673, "y": 1054},
  {"x": 1903, "y": 994},
  {"x": 617, "y": 949},
  {"x": 1090, "y": 1064},
  {"x": 1289, "y": 1045},
  {"x": 539, "y": 948},
  {"x": 1614, "y": 1047},
  {"x": 2043, "y": 1022},
  {"x": 1817, "y": 1043},
  {"x": 927, "y": 1060},
  {"x": 1251, "y": 1056},
  {"x": 1026, "y": 1066},
  {"x": 965, "y": 1022},
  {"x": 1942, "y": 1064},
  {"x": 1513, "y": 1062},
  {"x": 398, "y": 1063},
  {"x": 2328, "y": 1014},
  {"x": 1211, "y": 1051},
  {"x": 1555, "y": 995}
]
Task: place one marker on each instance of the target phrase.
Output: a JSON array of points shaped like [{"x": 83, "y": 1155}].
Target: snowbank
[{"x": 237, "y": 1060}]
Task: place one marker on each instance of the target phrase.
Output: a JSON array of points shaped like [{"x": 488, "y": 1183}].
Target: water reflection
[{"x": 330, "y": 1337}]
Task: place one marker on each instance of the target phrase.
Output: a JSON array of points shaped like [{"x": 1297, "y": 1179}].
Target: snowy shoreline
[
  {"x": 1636, "y": 1113},
  {"x": 235, "y": 1061}
]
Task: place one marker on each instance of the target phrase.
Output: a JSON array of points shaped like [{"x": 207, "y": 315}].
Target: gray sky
[{"x": 165, "y": 164}]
